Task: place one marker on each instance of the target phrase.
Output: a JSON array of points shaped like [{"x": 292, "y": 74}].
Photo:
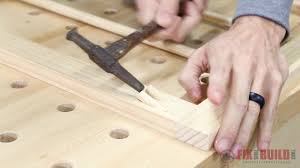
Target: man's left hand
[{"x": 242, "y": 60}]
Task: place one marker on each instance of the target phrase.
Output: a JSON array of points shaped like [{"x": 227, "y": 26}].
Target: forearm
[{"x": 277, "y": 11}]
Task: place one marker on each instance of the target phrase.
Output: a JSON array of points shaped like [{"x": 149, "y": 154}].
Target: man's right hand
[{"x": 165, "y": 13}]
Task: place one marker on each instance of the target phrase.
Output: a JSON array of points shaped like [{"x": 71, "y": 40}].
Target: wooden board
[
  {"x": 176, "y": 115},
  {"x": 46, "y": 136}
]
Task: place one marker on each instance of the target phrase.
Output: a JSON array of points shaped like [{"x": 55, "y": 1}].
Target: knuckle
[
  {"x": 229, "y": 128},
  {"x": 253, "y": 109},
  {"x": 266, "y": 120},
  {"x": 254, "y": 113},
  {"x": 230, "y": 134},
  {"x": 241, "y": 106},
  {"x": 243, "y": 137},
  {"x": 182, "y": 79},
  {"x": 277, "y": 78}
]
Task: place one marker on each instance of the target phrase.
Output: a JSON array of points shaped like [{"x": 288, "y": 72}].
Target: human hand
[
  {"x": 165, "y": 14},
  {"x": 242, "y": 60}
]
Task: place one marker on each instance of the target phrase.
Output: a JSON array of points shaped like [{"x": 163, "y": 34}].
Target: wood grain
[
  {"x": 46, "y": 136},
  {"x": 49, "y": 66}
]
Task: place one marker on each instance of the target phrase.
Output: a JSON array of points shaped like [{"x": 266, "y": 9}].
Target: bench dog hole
[
  {"x": 35, "y": 13},
  {"x": 8, "y": 137},
  {"x": 119, "y": 134},
  {"x": 110, "y": 11},
  {"x": 108, "y": 43},
  {"x": 19, "y": 84},
  {"x": 66, "y": 107},
  {"x": 197, "y": 41},
  {"x": 70, "y": 27},
  {"x": 62, "y": 165},
  {"x": 158, "y": 60}
]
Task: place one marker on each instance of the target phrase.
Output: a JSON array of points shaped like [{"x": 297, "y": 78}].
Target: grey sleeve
[{"x": 275, "y": 10}]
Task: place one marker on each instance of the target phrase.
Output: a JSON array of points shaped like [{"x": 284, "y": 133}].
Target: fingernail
[
  {"x": 264, "y": 145},
  {"x": 223, "y": 145},
  {"x": 236, "y": 150},
  {"x": 227, "y": 156}
]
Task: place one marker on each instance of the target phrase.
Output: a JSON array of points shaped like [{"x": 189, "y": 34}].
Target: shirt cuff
[{"x": 277, "y": 11}]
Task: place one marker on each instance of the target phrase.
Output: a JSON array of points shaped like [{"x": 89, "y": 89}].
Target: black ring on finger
[{"x": 257, "y": 98}]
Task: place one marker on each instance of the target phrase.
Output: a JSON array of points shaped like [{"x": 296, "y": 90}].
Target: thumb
[{"x": 189, "y": 78}]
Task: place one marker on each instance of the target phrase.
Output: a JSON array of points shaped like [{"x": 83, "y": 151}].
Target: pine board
[{"x": 81, "y": 137}]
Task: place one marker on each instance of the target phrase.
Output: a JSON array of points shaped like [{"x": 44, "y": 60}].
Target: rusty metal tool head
[{"x": 107, "y": 58}]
